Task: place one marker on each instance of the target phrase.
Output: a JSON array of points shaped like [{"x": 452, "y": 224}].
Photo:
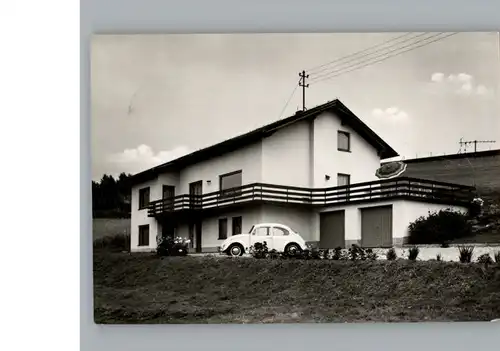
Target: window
[
  {"x": 261, "y": 231},
  {"x": 144, "y": 235},
  {"x": 143, "y": 198},
  {"x": 168, "y": 193},
  {"x": 343, "y": 179},
  {"x": 343, "y": 141},
  {"x": 236, "y": 223},
  {"x": 229, "y": 181},
  {"x": 277, "y": 231},
  {"x": 222, "y": 228}
]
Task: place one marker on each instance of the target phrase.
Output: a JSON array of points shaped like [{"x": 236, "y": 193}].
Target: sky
[{"x": 157, "y": 97}]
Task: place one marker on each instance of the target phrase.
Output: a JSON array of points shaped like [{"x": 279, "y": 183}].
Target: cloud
[
  {"x": 437, "y": 77},
  {"x": 143, "y": 157},
  {"x": 392, "y": 113},
  {"x": 459, "y": 83}
]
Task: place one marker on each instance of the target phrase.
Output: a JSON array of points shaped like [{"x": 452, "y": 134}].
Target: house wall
[
  {"x": 140, "y": 217},
  {"x": 285, "y": 156},
  {"x": 248, "y": 159},
  {"x": 210, "y": 226},
  {"x": 403, "y": 213},
  {"x": 300, "y": 220},
  {"x": 361, "y": 163}
]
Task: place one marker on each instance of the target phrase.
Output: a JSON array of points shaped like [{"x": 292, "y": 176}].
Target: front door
[
  {"x": 168, "y": 228},
  {"x": 195, "y": 192},
  {"x": 195, "y": 235}
]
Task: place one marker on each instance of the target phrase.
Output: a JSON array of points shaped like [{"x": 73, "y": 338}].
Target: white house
[{"x": 313, "y": 171}]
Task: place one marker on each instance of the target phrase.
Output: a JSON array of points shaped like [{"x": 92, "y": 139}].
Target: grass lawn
[{"x": 143, "y": 288}]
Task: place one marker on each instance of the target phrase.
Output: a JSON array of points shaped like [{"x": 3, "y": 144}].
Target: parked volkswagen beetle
[{"x": 277, "y": 236}]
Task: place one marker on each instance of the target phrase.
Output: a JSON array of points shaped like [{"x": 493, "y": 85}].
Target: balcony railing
[{"x": 410, "y": 188}]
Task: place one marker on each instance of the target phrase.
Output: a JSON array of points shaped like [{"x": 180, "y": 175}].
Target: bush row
[
  {"x": 118, "y": 243},
  {"x": 357, "y": 253}
]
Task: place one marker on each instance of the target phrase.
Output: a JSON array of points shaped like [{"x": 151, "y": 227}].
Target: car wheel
[
  {"x": 292, "y": 249},
  {"x": 235, "y": 250}
]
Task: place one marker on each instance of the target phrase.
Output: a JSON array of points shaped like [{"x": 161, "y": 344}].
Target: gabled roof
[{"x": 335, "y": 106}]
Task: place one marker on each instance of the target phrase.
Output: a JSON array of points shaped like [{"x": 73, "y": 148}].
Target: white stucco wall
[
  {"x": 248, "y": 159},
  {"x": 403, "y": 213},
  {"x": 140, "y": 217},
  {"x": 361, "y": 163},
  {"x": 210, "y": 225},
  {"x": 299, "y": 220},
  {"x": 285, "y": 156}
]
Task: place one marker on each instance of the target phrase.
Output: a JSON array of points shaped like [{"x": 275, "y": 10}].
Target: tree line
[{"x": 111, "y": 197}]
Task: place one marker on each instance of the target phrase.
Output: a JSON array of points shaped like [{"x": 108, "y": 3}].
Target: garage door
[
  {"x": 331, "y": 230},
  {"x": 376, "y": 226}
]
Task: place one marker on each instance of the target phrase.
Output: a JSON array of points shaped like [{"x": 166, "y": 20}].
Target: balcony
[{"x": 398, "y": 188}]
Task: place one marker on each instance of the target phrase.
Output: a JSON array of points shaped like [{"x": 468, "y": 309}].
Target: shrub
[
  {"x": 465, "y": 253},
  {"x": 439, "y": 227},
  {"x": 259, "y": 250},
  {"x": 391, "y": 254},
  {"x": 371, "y": 255},
  {"x": 168, "y": 246},
  {"x": 476, "y": 207},
  {"x": 485, "y": 259},
  {"x": 339, "y": 254},
  {"x": 413, "y": 253},
  {"x": 356, "y": 253},
  {"x": 439, "y": 257},
  {"x": 115, "y": 243},
  {"x": 497, "y": 256}
]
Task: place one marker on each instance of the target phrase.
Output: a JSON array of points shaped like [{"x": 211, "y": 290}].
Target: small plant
[
  {"x": 259, "y": 250},
  {"x": 439, "y": 257},
  {"x": 485, "y": 259},
  {"x": 413, "y": 253},
  {"x": 465, "y": 253},
  {"x": 273, "y": 254},
  {"x": 497, "y": 257},
  {"x": 371, "y": 255},
  {"x": 339, "y": 254},
  {"x": 168, "y": 246},
  {"x": 391, "y": 254},
  {"x": 476, "y": 207},
  {"x": 356, "y": 253}
]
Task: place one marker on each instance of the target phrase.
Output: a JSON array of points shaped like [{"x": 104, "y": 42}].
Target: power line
[
  {"x": 289, "y": 99},
  {"x": 356, "y": 67},
  {"x": 323, "y": 67}
]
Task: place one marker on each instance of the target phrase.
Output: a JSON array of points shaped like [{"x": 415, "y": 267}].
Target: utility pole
[
  {"x": 302, "y": 83},
  {"x": 475, "y": 142}
]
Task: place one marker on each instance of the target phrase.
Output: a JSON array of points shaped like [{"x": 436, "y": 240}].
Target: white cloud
[
  {"x": 144, "y": 157},
  {"x": 437, "y": 77},
  {"x": 392, "y": 113},
  {"x": 458, "y": 83}
]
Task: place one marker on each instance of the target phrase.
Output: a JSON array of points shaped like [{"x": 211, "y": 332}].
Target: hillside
[
  {"x": 106, "y": 227},
  {"x": 480, "y": 169},
  {"x": 143, "y": 288}
]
